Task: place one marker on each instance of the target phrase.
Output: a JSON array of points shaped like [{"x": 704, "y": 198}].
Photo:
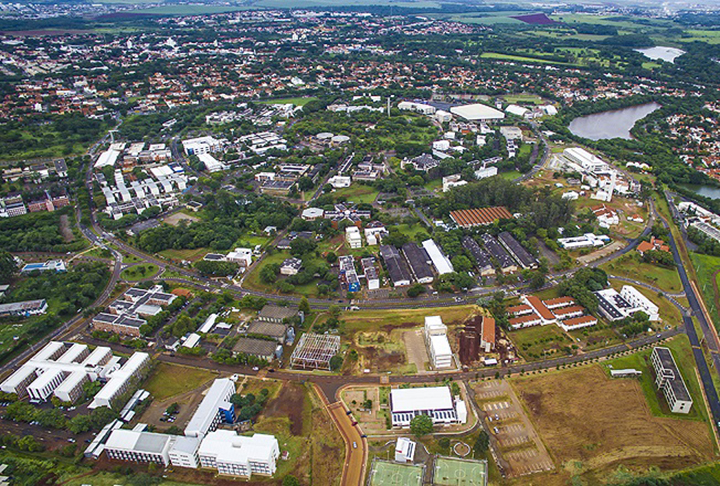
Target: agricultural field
[{"x": 593, "y": 424}]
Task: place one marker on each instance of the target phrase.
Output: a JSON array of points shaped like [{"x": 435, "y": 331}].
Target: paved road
[{"x": 356, "y": 447}]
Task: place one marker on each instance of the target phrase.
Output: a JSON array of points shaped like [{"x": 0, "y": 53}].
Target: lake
[
  {"x": 713, "y": 192},
  {"x": 611, "y": 124},
  {"x": 661, "y": 53}
]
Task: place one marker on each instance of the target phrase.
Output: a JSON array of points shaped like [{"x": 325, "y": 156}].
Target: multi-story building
[
  {"x": 436, "y": 402},
  {"x": 437, "y": 342},
  {"x": 236, "y": 455},
  {"x": 214, "y": 409},
  {"x": 139, "y": 446},
  {"x": 126, "y": 314},
  {"x": 669, "y": 380}
]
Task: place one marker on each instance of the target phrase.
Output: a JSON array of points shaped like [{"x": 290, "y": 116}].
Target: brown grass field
[{"x": 592, "y": 425}]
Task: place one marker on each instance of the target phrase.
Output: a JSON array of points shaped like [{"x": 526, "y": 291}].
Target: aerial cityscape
[{"x": 359, "y": 243}]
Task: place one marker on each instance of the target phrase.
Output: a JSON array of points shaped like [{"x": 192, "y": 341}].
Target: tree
[
  {"x": 304, "y": 306},
  {"x": 481, "y": 444},
  {"x": 336, "y": 362},
  {"x": 421, "y": 425},
  {"x": 7, "y": 266},
  {"x": 331, "y": 257},
  {"x": 415, "y": 290}
]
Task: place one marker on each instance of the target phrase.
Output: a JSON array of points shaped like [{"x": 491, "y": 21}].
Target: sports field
[
  {"x": 389, "y": 473},
  {"x": 455, "y": 472}
]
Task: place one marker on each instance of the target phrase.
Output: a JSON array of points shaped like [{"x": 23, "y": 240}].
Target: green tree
[
  {"x": 421, "y": 425},
  {"x": 290, "y": 480},
  {"x": 336, "y": 362},
  {"x": 7, "y": 266},
  {"x": 304, "y": 306}
]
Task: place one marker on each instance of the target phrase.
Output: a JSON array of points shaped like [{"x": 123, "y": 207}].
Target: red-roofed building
[
  {"x": 577, "y": 323},
  {"x": 524, "y": 321},
  {"x": 519, "y": 310},
  {"x": 487, "y": 339},
  {"x": 546, "y": 316},
  {"x": 653, "y": 245},
  {"x": 558, "y": 302}
]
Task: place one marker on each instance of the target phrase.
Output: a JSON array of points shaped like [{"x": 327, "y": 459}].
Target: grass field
[
  {"x": 358, "y": 193},
  {"x": 112, "y": 479},
  {"x": 705, "y": 267},
  {"x": 524, "y": 98},
  {"x": 190, "y": 10},
  {"x": 668, "y": 312},
  {"x": 190, "y": 255},
  {"x": 168, "y": 380},
  {"x": 631, "y": 266},
  {"x": 411, "y": 231},
  {"x": 592, "y": 424},
  {"x": 540, "y": 341},
  {"x": 139, "y": 272},
  {"x": 372, "y": 320},
  {"x": 389, "y": 473},
  {"x": 510, "y": 57},
  {"x": 454, "y": 472},
  {"x": 295, "y": 101},
  {"x": 510, "y": 175}
]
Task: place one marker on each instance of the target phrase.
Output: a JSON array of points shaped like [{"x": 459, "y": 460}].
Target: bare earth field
[
  {"x": 175, "y": 218},
  {"x": 593, "y": 424}
]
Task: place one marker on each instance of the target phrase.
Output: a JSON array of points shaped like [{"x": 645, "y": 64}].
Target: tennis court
[
  {"x": 392, "y": 474},
  {"x": 454, "y": 472}
]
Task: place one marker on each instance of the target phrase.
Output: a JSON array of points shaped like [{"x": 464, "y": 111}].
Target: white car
[{"x": 255, "y": 368}]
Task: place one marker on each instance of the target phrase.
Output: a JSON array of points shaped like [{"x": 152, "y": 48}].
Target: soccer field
[
  {"x": 452, "y": 472},
  {"x": 388, "y": 473}
]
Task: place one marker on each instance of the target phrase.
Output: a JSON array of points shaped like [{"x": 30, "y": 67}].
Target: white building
[
  {"x": 242, "y": 256},
  {"x": 201, "y": 145},
  {"x": 437, "y": 342},
  {"x": 137, "y": 446},
  {"x": 120, "y": 380},
  {"x": 213, "y": 409},
  {"x": 448, "y": 182},
  {"x": 405, "y": 450},
  {"x": 184, "y": 452},
  {"x": 418, "y": 107},
  {"x": 353, "y": 237},
  {"x": 486, "y": 172},
  {"x": 639, "y": 301},
  {"x": 211, "y": 163},
  {"x": 670, "y": 381},
  {"x": 236, "y": 455},
  {"x": 440, "y": 261},
  {"x": 477, "y": 111},
  {"x": 436, "y": 402},
  {"x": 339, "y": 182},
  {"x": 443, "y": 116}
]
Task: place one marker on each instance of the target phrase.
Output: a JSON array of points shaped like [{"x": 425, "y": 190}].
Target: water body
[
  {"x": 661, "y": 53},
  {"x": 611, "y": 124},
  {"x": 713, "y": 192}
]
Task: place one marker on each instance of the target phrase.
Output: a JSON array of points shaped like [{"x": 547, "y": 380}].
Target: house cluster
[
  {"x": 202, "y": 445},
  {"x": 655, "y": 244},
  {"x": 62, "y": 369},
  {"x": 365, "y": 171},
  {"x": 264, "y": 337},
  {"x": 509, "y": 255},
  {"x": 597, "y": 174},
  {"x": 14, "y": 205},
  {"x": 126, "y": 314},
  {"x": 616, "y": 305},
  {"x": 562, "y": 311}
]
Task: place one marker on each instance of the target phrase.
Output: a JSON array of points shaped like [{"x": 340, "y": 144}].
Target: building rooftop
[{"x": 412, "y": 399}]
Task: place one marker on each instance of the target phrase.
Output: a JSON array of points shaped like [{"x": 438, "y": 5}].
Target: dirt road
[{"x": 356, "y": 446}]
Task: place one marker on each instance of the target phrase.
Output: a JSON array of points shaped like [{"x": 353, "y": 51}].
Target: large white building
[
  {"x": 139, "y": 446},
  {"x": 61, "y": 370},
  {"x": 437, "y": 342},
  {"x": 213, "y": 409},
  {"x": 440, "y": 261},
  {"x": 638, "y": 300},
  {"x": 236, "y": 455},
  {"x": 201, "y": 145},
  {"x": 184, "y": 452},
  {"x": 669, "y": 380},
  {"x": 477, "y": 112},
  {"x": 436, "y": 402},
  {"x": 616, "y": 305}
]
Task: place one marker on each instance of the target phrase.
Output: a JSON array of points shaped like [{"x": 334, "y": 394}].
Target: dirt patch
[
  {"x": 175, "y": 218},
  {"x": 65, "y": 229},
  {"x": 586, "y": 418},
  {"x": 288, "y": 404}
]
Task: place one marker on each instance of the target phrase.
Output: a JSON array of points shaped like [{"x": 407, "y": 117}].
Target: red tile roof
[
  {"x": 477, "y": 217},
  {"x": 540, "y": 308}
]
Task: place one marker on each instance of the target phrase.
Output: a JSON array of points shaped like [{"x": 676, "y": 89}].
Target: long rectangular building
[
  {"x": 483, "y": 262},
  {"x": 213, "y": 409},
  {"x": 669, "y": 380},
  {"x": 468, "y": 218},
  {"x": 436, "y": 402},
  {"x": 440, "y": 261},
  {"x": 419, "y": 263},
  {"x": 396, "y": 266},
  {"x": 520, "y": 254},
  {"x": 505, "y": 261}
]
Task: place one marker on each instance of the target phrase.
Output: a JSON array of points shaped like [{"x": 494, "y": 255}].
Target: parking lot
[{"x": 511, "y": 430}]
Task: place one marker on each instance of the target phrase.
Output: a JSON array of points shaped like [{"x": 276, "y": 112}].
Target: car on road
[
  {"x": 255, "y": 368},
  {"x": 354, "y": 445},
  {"x": 354, "y": 423}
]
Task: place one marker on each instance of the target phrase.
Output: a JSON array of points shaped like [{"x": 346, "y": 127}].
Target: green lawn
[
  {"x": 680, "y": 347},
  {"x": 411, "y": 231},
  {"x": 112, "y": 479},
  {"x": 539, "y": 342},
  {"x": 358, "y": 193},
  {"x": 295, "y": 101},
  {"x": 191, "y": 255},
  {"x": 168, "y": 380},
  {"x": 139, "y": 272},
  {"x": 510, "y": 175},
  {"x": 524, "y": 98},
  {"x": 631, "y": 266},
  {"x": 510, "y": 57},
  {"x": 252, "y": 280},
  {"x": 595, "y": 337}
]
